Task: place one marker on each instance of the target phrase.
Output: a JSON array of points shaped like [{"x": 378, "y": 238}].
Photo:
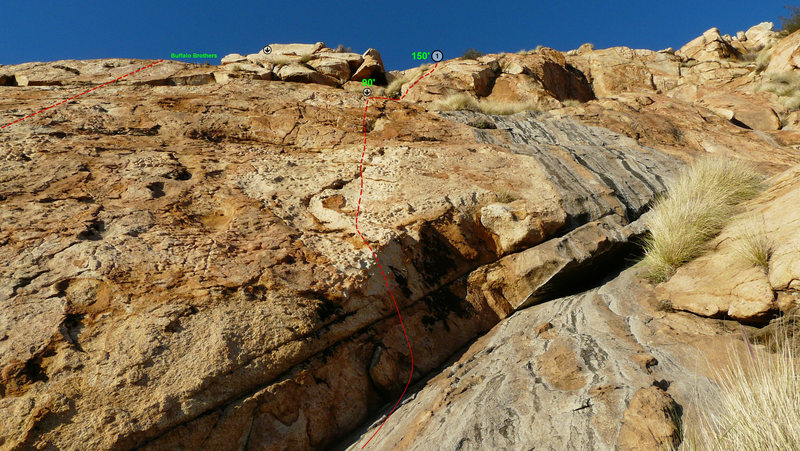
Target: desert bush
[
  {"x": 471, "y": 54},
  {"x": 307, "y": 57},
  {"x": 792, "y": 23},
  {"x": 504, "y": 196},
  {"x": 482, "y": 124},
  {"x": 697, "y": 205},
  {"x": 759, "y": 400},
  {"x": 753, "y": 245},
  {"x": 786, "y": 86},
  {"x": 342, "y": 49},
  {"x": 464, "y": 101},
  {"x": 571, "y": 102}
]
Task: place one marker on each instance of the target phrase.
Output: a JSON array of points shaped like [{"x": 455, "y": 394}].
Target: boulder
[
  {"x": 651, "y": 421},
  {"x": 353, "y": 60},
  {"x": 233, "y": 58},
  {"x": 522, "y": 88},
  {"x": 371, "y": 67},
  {"x": 621, "y": 69},
  {"x": 526, "y": 278},
  {"x": 710, "y": 46},
  {"x": 742, "y": 110},
  {"x": 300, "y": 73},
  {"x": 296, "y": 49},
  {"x": 451, "y": 77},
  {"x": 761, "y": 36},
  {"x": 333, "y": 67},
  {"x": 518, "y": 225},
  {"x": 785, "y": 55}
]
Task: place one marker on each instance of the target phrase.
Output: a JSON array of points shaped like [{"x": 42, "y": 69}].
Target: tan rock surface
[
  {"x": 190, "y": 276},
  {"x": 785, "y": 55}
]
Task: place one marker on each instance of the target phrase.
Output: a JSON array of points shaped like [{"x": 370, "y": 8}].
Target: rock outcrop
[
  {"x": 304, "y": 63},
  {"x": 180, "y": 266}
]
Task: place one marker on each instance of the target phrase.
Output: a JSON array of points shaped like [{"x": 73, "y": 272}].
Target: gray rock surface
[{"x": 562, "y": 375}]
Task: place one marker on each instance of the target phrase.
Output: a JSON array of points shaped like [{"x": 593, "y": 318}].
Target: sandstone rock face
[
  {"x": 194, "y": 285},
  {"x": 181, "y": 269},
  {"x": 785, "y": 55},
  {"x": 620, "y": 69},
  {"x": 543, "y": 77}
]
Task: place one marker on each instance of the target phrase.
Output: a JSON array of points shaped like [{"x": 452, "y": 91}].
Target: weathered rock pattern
[{"x": 600, "y": 370}]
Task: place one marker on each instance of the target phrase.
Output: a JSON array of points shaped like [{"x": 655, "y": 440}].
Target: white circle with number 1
[{"x": 437, "y": 55}]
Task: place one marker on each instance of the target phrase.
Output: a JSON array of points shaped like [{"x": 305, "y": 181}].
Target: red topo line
[
  {"x": 375, "y": 256},
  {"x": 78, "y": 95}
]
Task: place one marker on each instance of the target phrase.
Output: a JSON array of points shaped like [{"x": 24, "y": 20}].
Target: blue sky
[{"x": 47, "y": 30}]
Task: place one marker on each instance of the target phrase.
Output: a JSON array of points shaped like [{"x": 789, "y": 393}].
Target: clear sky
[{"x": 47, "y": 30}]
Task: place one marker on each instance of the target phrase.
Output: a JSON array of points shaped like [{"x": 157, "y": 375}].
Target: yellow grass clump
[
  {"x": 463, "y": 101},
  {"x": 786, "y": 86},
  {"x": 697, "y": 205},
  {"x": 758, "y": 404}
]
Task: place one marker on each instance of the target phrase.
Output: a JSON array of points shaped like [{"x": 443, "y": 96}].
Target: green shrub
[
  {"x": 471, "y": 54},
  {"x": 482, "y": 124},
  {"x": 698, "y": 204},
  {"x": 792, "y": 23}
]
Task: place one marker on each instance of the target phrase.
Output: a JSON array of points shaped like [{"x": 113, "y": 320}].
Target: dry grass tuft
[
  {"x": 759, "y": 401},
  {"x": 394, "y": 89},
  {"x": 505, "y": 196},
  {"x": 698, "y": 204},
  {"x": 786, "y": 86},
  {"x": 464, "y": 101},
  {"x": 280, "y": 60},
  {"x": 754, "y": 246},
  {"x": 307, "y": 57}
]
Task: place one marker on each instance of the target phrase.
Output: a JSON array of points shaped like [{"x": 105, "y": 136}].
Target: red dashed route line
[
  {"x": 375, "y": 256},
  {"x": 78, "y": 95}
]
